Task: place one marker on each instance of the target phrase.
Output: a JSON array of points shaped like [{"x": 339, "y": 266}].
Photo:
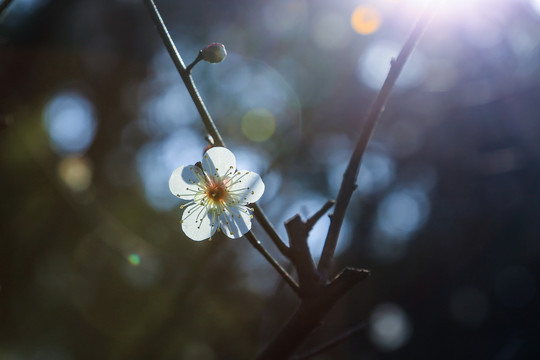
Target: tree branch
[
  {"x": 185, "y": 74},
  {"x": 348, "y": 184},
  {"x": 284, "y": 274},
  {"x": 310, "y": 314},
  {"x": 323, "y": 295},
  {"x": 270, "y": 230},
  {"x": 313, "y": 219},
  {"x": 301, "y": 257}
]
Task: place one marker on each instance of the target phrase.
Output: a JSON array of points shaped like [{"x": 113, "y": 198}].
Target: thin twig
[
  {"x": 186, "y": 77},
  {"x": 270, "y": 230},
  {"x": 348, "y": 184},
  {"x": 195, "y": 62},
  {"x": 284, "y": 274},
  {"x": 3, "y": 6},
  {"x": 203, "y": 112},
  {"x": 313, "y": 219},
  {"x": 331, "y": 343}
]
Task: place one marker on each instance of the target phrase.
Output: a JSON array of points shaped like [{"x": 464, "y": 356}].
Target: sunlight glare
[
  {"x": 444, "y": 5},
  {"x": 535, "y": 4}
]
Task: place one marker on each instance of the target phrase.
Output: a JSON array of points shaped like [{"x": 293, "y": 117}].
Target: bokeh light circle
[
  {"x": 389, "y": 327},
  {"x": 69, "y": 118},
  {"x": 258, "y": 124},
  {"x": 365, "y": 20},
  {"x": 75, "y": 172},
  {"x": 402, "y": 212}
]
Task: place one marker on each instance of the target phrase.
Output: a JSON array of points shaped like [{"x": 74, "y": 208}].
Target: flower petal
[
  {"x": 248, "y": 186},
  {"x": 218, "y": 161},
  {"x": 184, "y": 182},
  {"x": 197, "y": 223},
  {"x": 235, "y": 222}
]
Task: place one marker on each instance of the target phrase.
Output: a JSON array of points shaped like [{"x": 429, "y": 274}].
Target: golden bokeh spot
[
  {"x": 75, "y": 172},
  {"x": 258, "y": 124},
  {"x": 365, "y": 19}
]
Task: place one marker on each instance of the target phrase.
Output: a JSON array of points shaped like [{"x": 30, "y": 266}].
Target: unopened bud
[{"x": 214, "y": 53}]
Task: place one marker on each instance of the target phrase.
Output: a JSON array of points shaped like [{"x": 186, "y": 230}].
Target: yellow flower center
[{"x": 216, "y": 193}]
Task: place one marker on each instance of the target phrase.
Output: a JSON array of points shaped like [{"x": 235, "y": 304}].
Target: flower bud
[{"x": 214, "y": 53}]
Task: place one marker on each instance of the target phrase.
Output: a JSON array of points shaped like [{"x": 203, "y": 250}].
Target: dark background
[{"x": 93, "y": 264}]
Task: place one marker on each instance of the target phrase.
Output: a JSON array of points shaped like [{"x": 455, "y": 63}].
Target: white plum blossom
[{"x": 218, "y": 195}]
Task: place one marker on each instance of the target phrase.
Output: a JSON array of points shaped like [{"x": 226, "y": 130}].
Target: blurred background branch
[{"x": 3, "y": 6}]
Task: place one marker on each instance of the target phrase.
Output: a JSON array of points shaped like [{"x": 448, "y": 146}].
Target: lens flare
[
  {"x": 258, "y": 124},
  {"x": 134, "y": 259}
]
